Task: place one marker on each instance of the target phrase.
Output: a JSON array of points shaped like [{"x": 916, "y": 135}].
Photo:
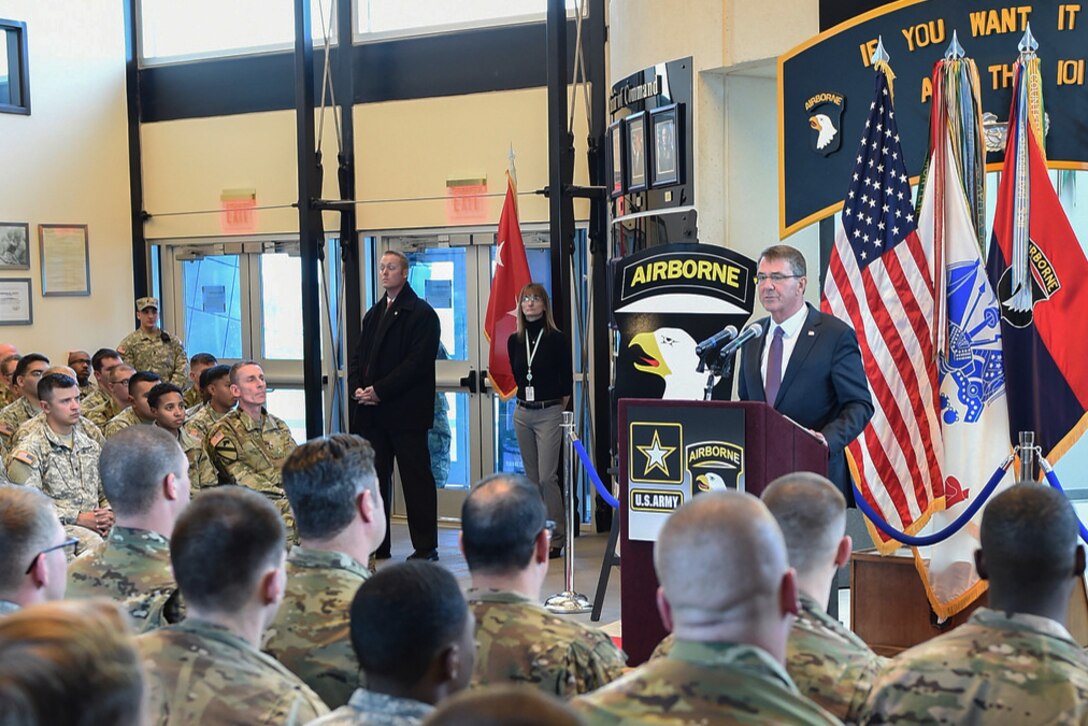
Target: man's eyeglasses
[
  {"x": 775, "y": 277},
  {"x": 120, "y": 383},
  {"x": 70, "y": 542},
  {"x": 532, "y": 298}
]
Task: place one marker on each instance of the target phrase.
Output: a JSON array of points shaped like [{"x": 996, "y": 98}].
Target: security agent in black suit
[
  {"x": 391, "y": 376},
  {"x": 822, "y": 383}
]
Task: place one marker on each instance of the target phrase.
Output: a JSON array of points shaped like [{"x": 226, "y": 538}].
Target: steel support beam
[{"x": 560, "y": 164}]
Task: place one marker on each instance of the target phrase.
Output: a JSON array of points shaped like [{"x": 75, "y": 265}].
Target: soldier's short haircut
[
  {"x": 323, "y": 478},
  {"x": 100, "y": 357},
  {"x": 6, "y": 363},
  {"x": 222, "y": 543},
  {"x": 25, "y": 362},
  {"x": 238, "y": 366},
  {"x": 1029, "y": 537},
  {"x": 158, "y": 391},
  {"x": 143, "y": 377},
  {"x": 203, "y": 359},
  {"x": 51, "y": 382},
  {"x": 210, "y": 375},
  {"x": 70, "y": 661},
  {"x": 133, "y": 464},
  {"x": 404, "y": 616},
  {"x": 501, "y": 705},
  {"x": 120, "y": 370},
  {"x": 791, "y": 255},
  {"x": 27, "y": 524},
  {"x": 812, "y": 515},
  {"x": 500, "y": 520}
]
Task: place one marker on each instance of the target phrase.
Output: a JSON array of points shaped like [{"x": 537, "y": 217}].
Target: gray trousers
[{"x": 540, "y": 434}]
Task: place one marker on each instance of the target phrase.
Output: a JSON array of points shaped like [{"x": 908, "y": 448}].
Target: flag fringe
[{"x": 948, "y": 608}]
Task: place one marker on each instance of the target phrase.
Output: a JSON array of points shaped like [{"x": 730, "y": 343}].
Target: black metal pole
[
  {"x": 560, "y": 164},
  {"x": 135, "y": 163},
  {"x": 344, "y": 79},
  {"x": 310, "y": 230},
  {"x": 600, "y": 369}
]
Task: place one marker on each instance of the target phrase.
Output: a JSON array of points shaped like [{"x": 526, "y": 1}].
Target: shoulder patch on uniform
[
  {"x": 120, "y": 349},
  {"x": 217, "y": 437},
  {"x": 6, "y": 429},
  {"x": 194, "y": 432},
  {"x": 24, "y": 456}
]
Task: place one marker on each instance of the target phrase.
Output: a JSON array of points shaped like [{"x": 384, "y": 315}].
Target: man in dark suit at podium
[{"x": 809, "y": 365}]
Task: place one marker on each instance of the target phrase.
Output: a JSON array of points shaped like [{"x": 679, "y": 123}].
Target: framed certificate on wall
[{"x": 65, "y": 259}]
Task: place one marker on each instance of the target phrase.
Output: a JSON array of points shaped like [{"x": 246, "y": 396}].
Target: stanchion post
[
  {"x": 1026, "y": 450},
  {"x": 568, "y": 602}
]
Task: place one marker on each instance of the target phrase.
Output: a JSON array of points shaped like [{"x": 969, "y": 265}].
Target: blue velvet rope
[
  {"x": 936, "y": 537},
  {"x": 1052, "y": 480},
  {"x": 601, "y": 488}
]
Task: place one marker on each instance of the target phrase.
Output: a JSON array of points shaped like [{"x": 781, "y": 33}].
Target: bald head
[
  {"x": 7, "y": 349},
  {"x": 811, "y": 513},
  {"x": 63, "y": 370},
  {"x": 720, "y": 559}
]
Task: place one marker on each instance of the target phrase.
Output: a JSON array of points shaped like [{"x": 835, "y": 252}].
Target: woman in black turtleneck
[{"x": 541, "y": 361}]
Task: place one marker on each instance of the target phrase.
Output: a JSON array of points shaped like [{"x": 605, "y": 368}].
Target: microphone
[
  {"x": 716, "y": 340},
  {"x": 754, "y": 330}
]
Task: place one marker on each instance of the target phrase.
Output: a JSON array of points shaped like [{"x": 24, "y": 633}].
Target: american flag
[{"x": 880, "y": 282}]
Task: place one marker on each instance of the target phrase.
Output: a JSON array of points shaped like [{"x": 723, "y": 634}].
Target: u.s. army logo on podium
[{"x": 656, "y": 453}]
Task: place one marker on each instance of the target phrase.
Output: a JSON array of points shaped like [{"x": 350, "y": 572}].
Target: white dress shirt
[{"x": 791, "y": 330}]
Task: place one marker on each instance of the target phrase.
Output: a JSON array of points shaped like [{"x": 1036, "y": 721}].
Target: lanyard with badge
[{"x": 530, "y": 392}]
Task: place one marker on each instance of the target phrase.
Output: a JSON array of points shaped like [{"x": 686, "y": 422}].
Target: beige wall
[
  {"x": 67, "y": 163},
  {"x": 404, "y": 150}
]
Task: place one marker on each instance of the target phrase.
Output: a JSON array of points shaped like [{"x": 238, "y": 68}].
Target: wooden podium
[{"x": 771, "y": 446}]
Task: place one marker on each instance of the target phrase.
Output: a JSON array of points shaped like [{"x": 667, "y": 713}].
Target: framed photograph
[
  {"x": 15, "y": 301},
  {"x": 14, "y": 246},
  {"x": 668, "y": 154},
  {"x": 615, "y": 159},
  {"x": 65, "y": 259},
  {"x": 636, "y": 151}
]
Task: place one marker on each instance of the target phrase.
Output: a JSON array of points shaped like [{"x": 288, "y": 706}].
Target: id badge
[{"x": 530, "y": 394}]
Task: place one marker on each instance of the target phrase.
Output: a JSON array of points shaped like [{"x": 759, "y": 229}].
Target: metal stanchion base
[{"x": 568, "y": 603}]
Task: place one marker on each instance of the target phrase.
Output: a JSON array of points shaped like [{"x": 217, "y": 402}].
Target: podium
[{"x": 670, "y": 451}]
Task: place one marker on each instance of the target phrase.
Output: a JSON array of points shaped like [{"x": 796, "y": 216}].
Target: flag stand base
[{"x": 568, "y": 603}]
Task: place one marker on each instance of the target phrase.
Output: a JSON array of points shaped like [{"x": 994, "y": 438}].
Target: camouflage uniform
[
  {"x": 7, "y": 396},
  {"x": 191, "y": 397},
  {"x": 251, "y": 453},
  {"x": 147, "y": 352},
  {"x": 66, "y": 471},
  {"x": 94, "y": 398},
  {"x": 995, "y": 668},
  {"x": 312, "y": 633},
  {"x": 85, "y": 423},
  {"x": 200, "y": 673},
  {"x": 520, "y": 642},
  {"x": 14, "y": 415},
  {"x": 87, "y": 389},
  {"x": 367, "y": 708},
  {"x": 122, "y": 421},
  {"x": 132, "y": 567},
  {"x": 828, "y": 663},
  {"x": 703, "y": 683},
  {"x": 200, "y": 423},
  {"x": 202, "y": 474},
  {"x": 101, "y": 414},
  {"x": 8, "y": 607}
]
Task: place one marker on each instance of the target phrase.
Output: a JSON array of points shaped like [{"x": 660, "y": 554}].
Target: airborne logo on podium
[
  {"x": 655, "y": 453},
  {"x": 713, "y": 465}
]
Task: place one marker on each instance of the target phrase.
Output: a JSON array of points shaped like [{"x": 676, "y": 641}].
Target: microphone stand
[{"x": 718, "y": 365}]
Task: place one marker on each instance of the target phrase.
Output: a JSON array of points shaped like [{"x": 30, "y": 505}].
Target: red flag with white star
[{"x": 511, "y": 274}]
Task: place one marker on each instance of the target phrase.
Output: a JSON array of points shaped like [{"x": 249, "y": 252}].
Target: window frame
[
  {"x": 360, "y": 38},
  {"x": 19, "y": 57}
]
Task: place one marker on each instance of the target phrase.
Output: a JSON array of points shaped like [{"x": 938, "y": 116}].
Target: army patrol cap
[{"x": 144, "y": 303}]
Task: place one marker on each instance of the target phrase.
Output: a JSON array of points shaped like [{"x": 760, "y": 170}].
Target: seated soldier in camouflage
[
  {"x": 85, "y": 424},
  {"x": 412, "y": 632},
  {"x": 506, "y": 543},
  {"x": 830, "y": 664},
  {"x": 80, "y": 363},
  {"x": 150, "y": 348},
  {"x": 728, "y": 593},
  {"x": 164, "y": 400},
  {"x": 333, "y": 490},
  {"x": 194, "y": 395},
  {"x": 32, "y": 568},
  {"x": 115, "y": 396},
  {"x": 7, "y": 372},
  {"x": 145, "y": 477},
  {"x": 1014, "y": 661},
  {"x": 215, "y": 382},
  {"x": 227, "y": 553},
  {"x": 138, "y": 411},
  {"x": 249, "y": 445},
  {"x": 28, "y": 371},
  {"x": 58, "y": 457},
  {"x": 103, "y": 361}
]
